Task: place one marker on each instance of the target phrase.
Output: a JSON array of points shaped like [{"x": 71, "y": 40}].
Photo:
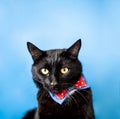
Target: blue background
[{"x": 53, "y": 24}]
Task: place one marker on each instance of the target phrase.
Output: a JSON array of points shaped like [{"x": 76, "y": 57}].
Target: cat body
[{"x": 63, "y": 91}]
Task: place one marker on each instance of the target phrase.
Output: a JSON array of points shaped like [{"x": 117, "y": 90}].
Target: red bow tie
[{"x": 79, "y": 84}]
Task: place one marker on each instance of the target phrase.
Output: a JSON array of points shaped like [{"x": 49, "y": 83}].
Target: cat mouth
[
  {"x": 57, "y": 89},
  {"x": 60, "y": 96},
  {"x": 64, "y": 92}
]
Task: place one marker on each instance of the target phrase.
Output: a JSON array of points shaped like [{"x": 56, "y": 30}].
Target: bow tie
[{"x": 61, "y": 97}]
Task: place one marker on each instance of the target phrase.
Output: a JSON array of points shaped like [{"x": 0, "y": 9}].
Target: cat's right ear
[
  {"x": 74, "y": 49},
  {"x": 35, "y": 52}
]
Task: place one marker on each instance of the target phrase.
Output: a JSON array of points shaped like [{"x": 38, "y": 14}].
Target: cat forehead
[
  {"x": 54, "y": 55},
  {"x": 55, "y": 52}
]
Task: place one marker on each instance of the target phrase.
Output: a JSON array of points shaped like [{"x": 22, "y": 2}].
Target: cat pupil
[{"x": 64, "y": 70}]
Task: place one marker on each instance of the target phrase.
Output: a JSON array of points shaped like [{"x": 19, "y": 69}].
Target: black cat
[{"x": 63, "y": 91}]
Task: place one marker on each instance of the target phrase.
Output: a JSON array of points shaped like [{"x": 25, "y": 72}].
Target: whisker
[
  {"x": 72, "y": 98},
  {"x": 37, "y": 80},
  {"x": 82, "y": 96},
  {"x": 77, "y": 103},
  {"x": 87, "y": 91}
]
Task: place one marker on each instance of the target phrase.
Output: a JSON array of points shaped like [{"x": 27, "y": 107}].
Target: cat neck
[{"x": 47, "y": 107}]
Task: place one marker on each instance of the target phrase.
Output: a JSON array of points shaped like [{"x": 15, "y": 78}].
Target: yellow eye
[
  {"x": 44, "y": 71},
  {"x": 64, "y": 70}
]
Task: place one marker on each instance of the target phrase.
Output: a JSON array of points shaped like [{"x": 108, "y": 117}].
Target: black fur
[
  {"x": 76, "y": 106},
  {"x": 30, "y": 114}
]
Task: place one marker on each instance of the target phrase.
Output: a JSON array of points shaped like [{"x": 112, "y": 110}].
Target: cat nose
[{"x": 53, "y": 83}]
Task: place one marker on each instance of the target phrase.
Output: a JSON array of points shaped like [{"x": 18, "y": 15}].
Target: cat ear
[
  {"x": 35, "y": 52},
  {"x": 74, "y": 49}
]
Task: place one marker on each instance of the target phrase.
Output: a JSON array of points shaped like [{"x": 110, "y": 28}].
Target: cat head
[{"x": 57, "y": 69}]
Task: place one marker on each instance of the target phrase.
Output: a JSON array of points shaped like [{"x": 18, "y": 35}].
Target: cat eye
[
  {"x": 64, "y": 70},
  {"x": 44, "y": 71}
]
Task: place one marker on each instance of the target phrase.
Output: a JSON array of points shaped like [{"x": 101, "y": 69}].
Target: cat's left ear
[{"x": 74, "y": 49}]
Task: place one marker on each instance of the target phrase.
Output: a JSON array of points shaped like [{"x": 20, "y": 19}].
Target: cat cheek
[{"x": 46, "y": 82}]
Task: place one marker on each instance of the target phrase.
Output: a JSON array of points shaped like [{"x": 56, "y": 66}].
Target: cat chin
[{"x": 55, "y": 91}]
